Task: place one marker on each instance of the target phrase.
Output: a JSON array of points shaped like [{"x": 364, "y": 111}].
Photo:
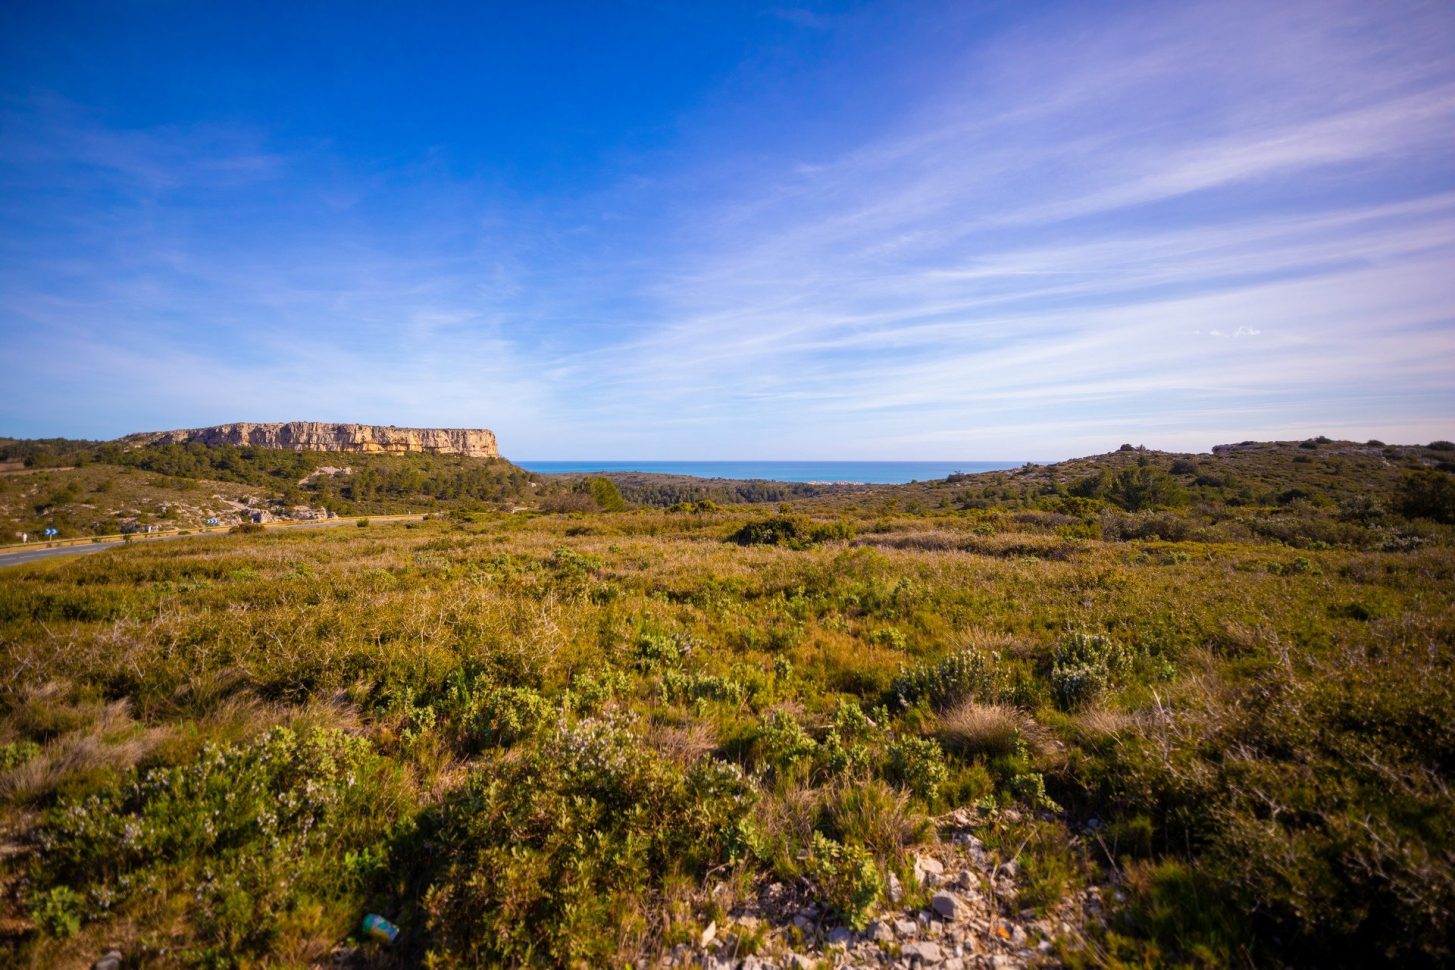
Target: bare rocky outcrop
[
  {"x": 960, "y": 912},
  {"x": 322, "y": 436}
]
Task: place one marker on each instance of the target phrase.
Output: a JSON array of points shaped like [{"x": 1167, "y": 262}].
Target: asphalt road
[{"x": 15, "y": 557}]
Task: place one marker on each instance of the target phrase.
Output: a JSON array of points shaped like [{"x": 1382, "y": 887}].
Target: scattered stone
[
  {"x": 963, "y": 817},
  {"x": 947, "y": 906},
  {"x": 971, "y": 923},
  {"x": 925, "y": 952},
  {"x": 110, "y": 960},
  {"x": 927, "y": 866}
]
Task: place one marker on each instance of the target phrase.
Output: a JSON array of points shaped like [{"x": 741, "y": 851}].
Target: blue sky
[{"x": 721, "y": 230}]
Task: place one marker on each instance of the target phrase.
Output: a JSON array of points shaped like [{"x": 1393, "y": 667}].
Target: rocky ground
[{"x": 969, "y": 921}]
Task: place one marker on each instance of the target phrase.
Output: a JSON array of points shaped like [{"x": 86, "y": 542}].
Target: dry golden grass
[
  {"x": 974, "y": 728},
  {"x": 104, "y": 737},
  {"x": 1102, "y": 722},
  {"x": 683, "y": 744}
]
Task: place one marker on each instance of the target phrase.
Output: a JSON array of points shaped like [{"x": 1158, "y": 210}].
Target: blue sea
[{"x": 864, "y": 472}]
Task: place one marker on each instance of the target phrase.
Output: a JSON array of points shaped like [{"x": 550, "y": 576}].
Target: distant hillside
[
  {"x": 85, "y": 487},
  {"x": 1303, "y": 493},
  {"x": 1311, "y": 494}
]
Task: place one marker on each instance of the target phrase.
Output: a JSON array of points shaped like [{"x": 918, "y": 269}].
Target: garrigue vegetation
[{"x": 576, "y": 737}]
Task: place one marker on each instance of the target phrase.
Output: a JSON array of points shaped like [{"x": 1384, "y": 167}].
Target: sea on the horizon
[{"x": 857, "y": 472}]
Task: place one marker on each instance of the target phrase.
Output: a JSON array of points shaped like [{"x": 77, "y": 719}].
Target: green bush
[
  {"x": 504, "y": 715},
  {"x": 604, "y": 493},
  {"x": 845, "y": 878},
  {"x": 1082, "y": 667},
  {"x": 57, "y": 911},
  {"x": 793, "y": 531},
  {"x": 656, "y": 651},
  {"x": 550, "y": 854},
  {"x": 13, "y": 754},
  {"x": 251, "y": 831},
  {"x": 782, "y": 741},
  {"x": 1428, "y": 495},
  {"x": 967, "y": 674},
  {"x": 919, "y": 765},
  {"x": 1144, "y": 487}
]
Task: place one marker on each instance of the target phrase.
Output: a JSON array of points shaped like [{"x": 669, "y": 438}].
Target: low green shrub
[
  {"x": 845, "y": 878},
  {"x": 57, "y": 911},
  {"x": 1083, "y": 666},
  {"x": 502, "y": 716},
  {"x": 13, "y": 754},
  {"x": 249, "y": 832},
  {"x": 1428, "y": 495},
  {"x": 549, "y": 854},
  {"x": 968, "y": 674},
  {"x": 782, "y": 741},
  {"x": 793, "y": 531},
  {"x": 919, "y": 765}
]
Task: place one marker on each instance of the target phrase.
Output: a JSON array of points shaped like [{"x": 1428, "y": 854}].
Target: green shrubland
[{"x": 574, "y": 738}]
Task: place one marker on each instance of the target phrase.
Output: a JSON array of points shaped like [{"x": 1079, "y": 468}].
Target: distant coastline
[{"x": 818, "y": 472}]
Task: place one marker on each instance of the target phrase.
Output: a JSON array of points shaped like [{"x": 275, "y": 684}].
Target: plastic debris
[{"x": 378, "y": 928}]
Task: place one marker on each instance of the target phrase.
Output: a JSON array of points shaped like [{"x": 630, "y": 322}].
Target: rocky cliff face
[{"x": 319, "y": 436}]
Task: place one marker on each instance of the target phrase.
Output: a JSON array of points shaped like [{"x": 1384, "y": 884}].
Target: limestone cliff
[{"x": 319, "y": 436}]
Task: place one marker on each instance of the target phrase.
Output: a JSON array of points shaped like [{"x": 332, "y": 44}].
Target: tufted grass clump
[{"x": 972, "y": 728}]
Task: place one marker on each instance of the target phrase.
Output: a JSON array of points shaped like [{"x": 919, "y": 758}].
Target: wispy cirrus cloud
[{"x": 999, "y": 258}]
